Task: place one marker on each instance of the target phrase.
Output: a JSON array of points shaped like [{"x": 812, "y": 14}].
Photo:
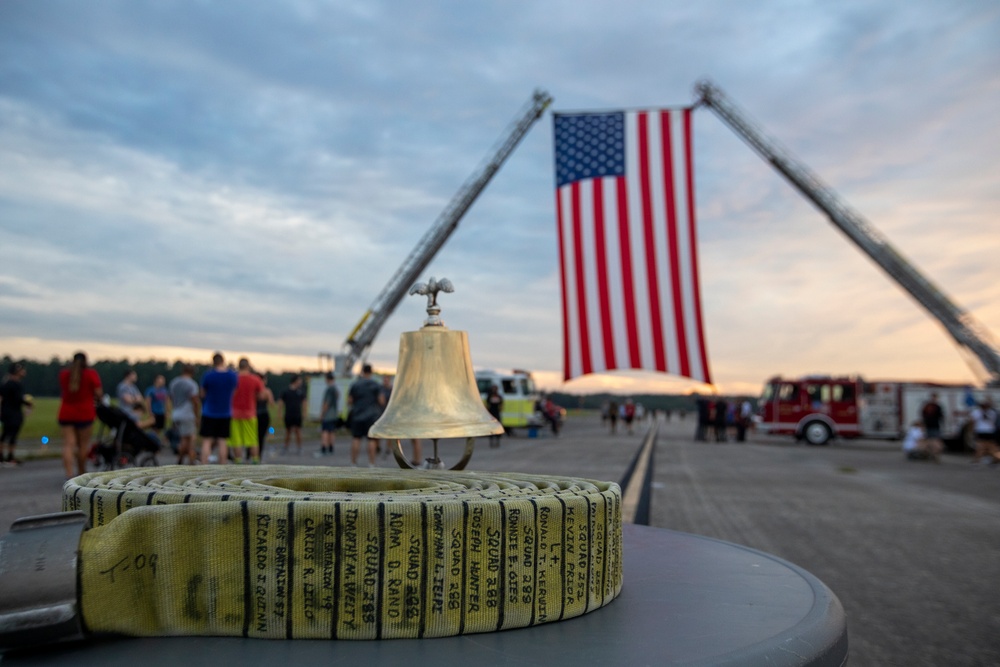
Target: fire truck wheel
[{"x": 816, "y": 433}]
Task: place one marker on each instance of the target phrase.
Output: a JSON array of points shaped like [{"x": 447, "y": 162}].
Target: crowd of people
[
  {"x": 719, "y": 419},
  {"x": 228, "y": 409},
  {"x": 923, "y": 440},
  {"x": 720, "y": 416},
  {"x": 627, "y": 412}
]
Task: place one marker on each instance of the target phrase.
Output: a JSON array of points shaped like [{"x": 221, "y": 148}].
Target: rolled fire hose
[{"x": 340, "y": 553}]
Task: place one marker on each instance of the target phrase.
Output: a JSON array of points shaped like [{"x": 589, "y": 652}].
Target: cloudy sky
[{"x": 179, "y": 177}]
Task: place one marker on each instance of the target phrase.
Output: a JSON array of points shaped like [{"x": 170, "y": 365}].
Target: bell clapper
[{"x": 435, "y": 462}]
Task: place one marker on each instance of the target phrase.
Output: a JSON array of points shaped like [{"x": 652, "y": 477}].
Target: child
[{"x": 918, "y": 448}]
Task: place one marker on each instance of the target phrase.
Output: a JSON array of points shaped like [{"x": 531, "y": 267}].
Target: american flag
[{"x": 627, "y": 243}]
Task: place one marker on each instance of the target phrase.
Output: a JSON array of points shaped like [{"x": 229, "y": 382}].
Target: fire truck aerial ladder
[
  {"x": 361, "y": 338},
  {"x": 963, "y": 328}
]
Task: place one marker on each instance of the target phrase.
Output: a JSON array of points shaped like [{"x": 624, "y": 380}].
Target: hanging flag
[{"x": 627, "y": 243}]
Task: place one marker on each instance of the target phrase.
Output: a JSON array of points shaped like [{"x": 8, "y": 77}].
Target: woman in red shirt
[{"x": 81, "y": 389}]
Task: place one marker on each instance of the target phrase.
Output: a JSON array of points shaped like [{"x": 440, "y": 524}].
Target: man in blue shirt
[{"x": 217, "y": 387}]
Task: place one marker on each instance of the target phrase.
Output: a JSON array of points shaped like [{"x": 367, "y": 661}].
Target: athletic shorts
[
  {"x": 82, "y": 424},
  {"x": 243, "y": 433},
  {"x": 214, "y": 427},
  {"x": 185, "y": 426},
  {"x": 330, "y": 425},
  {"x": 9, "y": 429},
  {"x": 359, "y": 427},
  {"x": 293, "y": 422},
  {"x": 159, "y": 421}
]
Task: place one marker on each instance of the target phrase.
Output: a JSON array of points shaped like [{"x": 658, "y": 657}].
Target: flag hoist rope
[{"x": 339, "y": 553}]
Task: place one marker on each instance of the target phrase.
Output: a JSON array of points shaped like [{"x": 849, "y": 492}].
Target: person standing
[
  {"x": 264, "y": 403},
  {"x": 720, "y": 408},
  {"x": 554, "y": 415},
  {"x": 13, "y": 401},
  {"x": 249, "y": 388},
  {"x": 293, "y": 401},
  {"x": 494, "y": 405},
  {"x": 79, "y": 391},
  {"x": 217, "y": 387},
  {"x": 703, "y": 409},
  {"x": 366, "y": 401},
  {"x": 329, "y": 416},
  {"x": 744, "y": 418},
  {"x": 932, "y": 416},
  {"x": 128, "y": 395},
  {"x": 628, "y": 414},
  {"x": 157, "y": 400},
  {"x": 186, "y": 411}
]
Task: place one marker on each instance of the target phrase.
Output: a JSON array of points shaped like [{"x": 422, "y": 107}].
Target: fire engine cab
[{"x": 818, "y": 408}]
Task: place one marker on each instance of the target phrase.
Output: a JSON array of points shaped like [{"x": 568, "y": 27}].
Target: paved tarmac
[{"x": 911, "y": 549}]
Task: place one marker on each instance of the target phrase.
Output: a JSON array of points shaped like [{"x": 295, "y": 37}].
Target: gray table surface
[{"x": 686, "y": 600}]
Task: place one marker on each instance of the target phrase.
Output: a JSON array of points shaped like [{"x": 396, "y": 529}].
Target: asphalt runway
[{"x": 911, "y": 549}]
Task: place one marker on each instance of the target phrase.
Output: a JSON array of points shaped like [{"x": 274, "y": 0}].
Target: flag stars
[{"x": 589, "y": 146}]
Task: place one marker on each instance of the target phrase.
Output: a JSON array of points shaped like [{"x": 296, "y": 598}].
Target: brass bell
[{"x": 435, "y": 393}]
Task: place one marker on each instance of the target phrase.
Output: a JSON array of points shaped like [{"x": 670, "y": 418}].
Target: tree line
[
  {"x": 43, "y": 377},
  {"x": 673, "y": 402}
]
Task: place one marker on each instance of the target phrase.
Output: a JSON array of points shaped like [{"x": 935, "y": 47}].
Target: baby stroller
[{"x": 120, "y": 442}]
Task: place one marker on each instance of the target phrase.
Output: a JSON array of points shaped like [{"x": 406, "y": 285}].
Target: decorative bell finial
[
  {"x": 435, "y": 393},
  {"x": 430, "y": 289}
]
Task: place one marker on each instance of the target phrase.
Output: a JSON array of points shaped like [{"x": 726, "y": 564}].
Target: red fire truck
[{"x": 818, "y": 408}]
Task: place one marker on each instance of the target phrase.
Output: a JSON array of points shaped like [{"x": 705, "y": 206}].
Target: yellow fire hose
[{"x": 340, "y": 553}]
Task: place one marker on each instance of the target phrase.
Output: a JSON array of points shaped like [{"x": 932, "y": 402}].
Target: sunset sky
[{"x": 177, "y": 178}]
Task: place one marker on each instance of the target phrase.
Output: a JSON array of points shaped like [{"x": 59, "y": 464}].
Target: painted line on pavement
[{"x": 638, "y": 479}]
